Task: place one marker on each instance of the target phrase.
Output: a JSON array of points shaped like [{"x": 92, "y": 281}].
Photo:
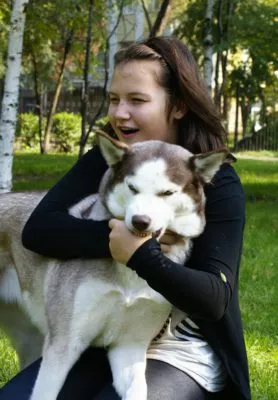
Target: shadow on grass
[
  {"x": 35, "y": 182},
  {"x": 263, "y": 191}
]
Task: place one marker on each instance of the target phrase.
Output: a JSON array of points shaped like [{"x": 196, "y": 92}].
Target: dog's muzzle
[
  {"x": 154, "y": 235},
  {"x": 141, "y": 234}
]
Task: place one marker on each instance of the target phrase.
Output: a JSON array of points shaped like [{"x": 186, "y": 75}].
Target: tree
[
  {"x": 58, "y": 88},
  {"x": 238, "y": 27},
  {"x": 208, "y": 44},
  {"x": 85, "y": 88},
  {"x": 254, "y": 25},
  {"x": 113, "y": 25},
  {"x": 161, "y": 19},
  {"x": 10, "y": 96},
  {"x": 60, "y": 23}
]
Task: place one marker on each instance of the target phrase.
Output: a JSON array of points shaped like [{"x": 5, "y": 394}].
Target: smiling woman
[
  {"x": 157, "y": 93},
  {"x": 138, "y": 104}
]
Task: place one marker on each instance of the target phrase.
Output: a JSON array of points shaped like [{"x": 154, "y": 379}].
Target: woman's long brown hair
[{"x": 200, "y": 130}]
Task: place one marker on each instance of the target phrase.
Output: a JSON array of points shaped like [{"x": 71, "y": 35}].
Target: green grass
[
  {"x": 259, "y": 272},
  {"x": 259, "y": 275},
  {"x": 258, "y": 154},
  {"x": 258, "y": 294},
  {"x": 8, "y": 360},
  {"x": 37, "y": 172},
  {"x": 260, "y": 179}
]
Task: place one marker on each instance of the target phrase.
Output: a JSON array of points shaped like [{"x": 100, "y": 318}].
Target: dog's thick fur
[{"x": 70, "y": 305}]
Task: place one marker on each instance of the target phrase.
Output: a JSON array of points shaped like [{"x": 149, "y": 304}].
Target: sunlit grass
[
  {"x": 259, "y": 178},
  {"x": 258, "y": 154},
  {"x": 40, "y": 171},
  {"x": 258, "y": 294},
  {"x": 8, "y": 360},
  {"x": 263, "y": 364}
]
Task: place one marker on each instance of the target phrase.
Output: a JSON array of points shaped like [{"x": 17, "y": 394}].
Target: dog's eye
[
  {"x": 166, "y": 193},
  {"x": 133, "y": 189}
]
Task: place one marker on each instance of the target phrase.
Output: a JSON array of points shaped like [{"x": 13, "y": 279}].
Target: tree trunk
[
  {"x": 38, "y": 96},
  {"x": 224, "y": 55},
  {"x": 245, "y": 110},
  {"x": 161, "y": 19},
  {"x": 217, "y": 94},
  {"x": 85, "y": 89},
  {"x": 208, "y": 45},
  {"x": 47, "y": 133},
  {"x": 11, "y": 92},
  {"x": 107, "y": 71},
  {"x": 147, "y": 16},
  {"x": 236, "y": 119},
  {"x": 225, "y": 112}
]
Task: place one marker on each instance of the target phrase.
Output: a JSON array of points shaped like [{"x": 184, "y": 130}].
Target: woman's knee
[{"x": 165, "y": 382}]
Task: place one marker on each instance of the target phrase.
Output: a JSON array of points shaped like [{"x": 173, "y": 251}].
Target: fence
[
  {"x": 69, "y": 101},
  {"x": 265, "y": 138}
]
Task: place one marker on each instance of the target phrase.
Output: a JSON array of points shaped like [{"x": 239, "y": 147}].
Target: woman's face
[{"x": 138, "y": 104}]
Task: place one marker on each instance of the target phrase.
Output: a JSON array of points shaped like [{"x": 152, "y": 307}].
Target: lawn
[{"x": 259, "y": 273}]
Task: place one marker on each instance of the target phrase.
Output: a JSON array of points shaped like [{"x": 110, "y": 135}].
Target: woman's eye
[
  {"x": 113, "y": 100},
  {"x": 136, "y": 100},
  {"x": 166, "y": 193},
  {"x": 133, "y": 189}
]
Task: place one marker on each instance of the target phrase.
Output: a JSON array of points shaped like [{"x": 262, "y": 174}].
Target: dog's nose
[{"x": 141, "y": 222}]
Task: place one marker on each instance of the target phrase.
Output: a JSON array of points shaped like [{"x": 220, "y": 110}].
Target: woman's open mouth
[{"x": 128, "y": 131}]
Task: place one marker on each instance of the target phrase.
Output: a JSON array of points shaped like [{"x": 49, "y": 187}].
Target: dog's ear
[
  {"x": 207, "y": 164},
  {"x": 112, "y": 149}
]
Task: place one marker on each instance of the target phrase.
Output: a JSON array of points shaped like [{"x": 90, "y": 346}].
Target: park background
[{"x": 66, "y": 62}]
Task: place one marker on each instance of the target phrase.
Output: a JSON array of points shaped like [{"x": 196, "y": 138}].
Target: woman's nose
[{"x": 121, "y": 111}]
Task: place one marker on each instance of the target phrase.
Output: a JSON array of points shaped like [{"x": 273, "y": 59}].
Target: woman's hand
[
  {"x": 169, "y": 239},
  {"x": 123, "y": 243}
]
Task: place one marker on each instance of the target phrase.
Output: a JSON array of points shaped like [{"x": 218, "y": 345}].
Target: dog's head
[{"x": 156, "y": 186}]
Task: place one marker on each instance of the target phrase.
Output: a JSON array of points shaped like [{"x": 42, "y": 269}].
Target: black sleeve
[
  {"x": 203, "y": 287},
  {"x": 52, "y": 232}
]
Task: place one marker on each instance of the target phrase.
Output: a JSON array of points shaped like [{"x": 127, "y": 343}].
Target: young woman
[{"x": 157, "y": 93}]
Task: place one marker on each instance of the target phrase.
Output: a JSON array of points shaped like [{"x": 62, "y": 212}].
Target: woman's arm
[
  {"x": 52, "y": 232},
  {"x": 204, "y": 287}
]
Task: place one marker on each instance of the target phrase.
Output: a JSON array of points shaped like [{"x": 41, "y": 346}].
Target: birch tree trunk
[
  {"x": 217, "y": 95},
  {"x": 208, "y": 45},
  {"x": 10, "y": 95},
  {"x": 58, "y": 88}
]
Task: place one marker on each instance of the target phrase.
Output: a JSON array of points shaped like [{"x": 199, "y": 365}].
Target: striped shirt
[{"x": 183, "y": 346}]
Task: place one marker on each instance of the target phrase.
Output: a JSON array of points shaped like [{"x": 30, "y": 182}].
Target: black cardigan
[{"x": 206, "y": 287}]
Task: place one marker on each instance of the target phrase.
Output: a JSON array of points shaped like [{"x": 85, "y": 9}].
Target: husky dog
[{"x": 70, "y": 305}]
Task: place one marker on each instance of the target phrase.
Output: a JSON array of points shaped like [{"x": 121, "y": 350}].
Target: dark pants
[{"x": 91, "y": 378}]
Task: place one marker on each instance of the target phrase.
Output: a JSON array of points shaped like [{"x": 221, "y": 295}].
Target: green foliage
[
  {"x": 250, "y": 28},
  {"x": 101, "y": 122},
  {"x": 48, "y": 25},
  {"x": 4, "y": 30},
  {"x": 27, "y": 131},
  {"x": 66, "y": 130}
]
